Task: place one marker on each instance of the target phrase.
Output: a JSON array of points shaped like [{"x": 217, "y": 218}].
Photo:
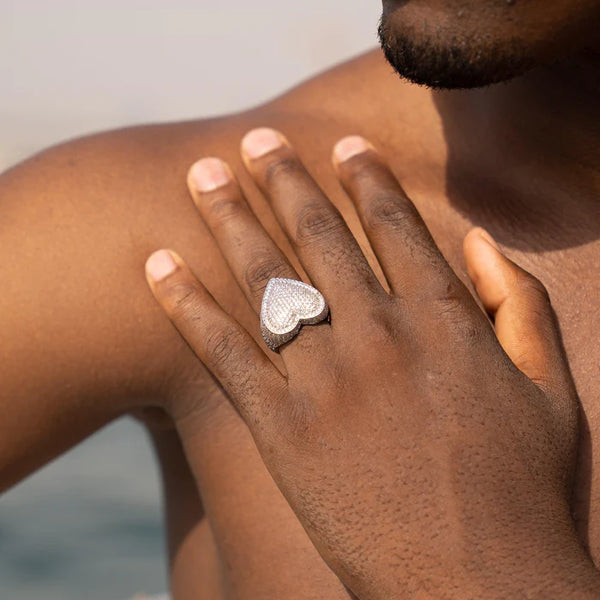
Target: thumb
[{"x": 524, "y": 321}]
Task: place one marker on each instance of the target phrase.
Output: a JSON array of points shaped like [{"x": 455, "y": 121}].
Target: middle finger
[{"x": 319, "y": 235}]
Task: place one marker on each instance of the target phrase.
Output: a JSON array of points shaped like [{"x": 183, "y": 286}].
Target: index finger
[{"x": 402, "y": 242}]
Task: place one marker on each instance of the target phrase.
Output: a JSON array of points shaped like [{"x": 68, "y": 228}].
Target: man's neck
[{"x": 536, "y": 141}]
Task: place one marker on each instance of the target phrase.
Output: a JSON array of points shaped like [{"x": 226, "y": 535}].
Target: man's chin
[{"x": 454, "y": 64}]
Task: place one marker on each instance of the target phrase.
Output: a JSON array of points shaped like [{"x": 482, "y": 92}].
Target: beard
[{"x": 440, "y": 61}]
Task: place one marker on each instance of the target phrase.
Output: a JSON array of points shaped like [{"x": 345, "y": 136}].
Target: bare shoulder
[
  {"x": 81, "y": 332},
  {"x": 125, "y": 190},
  {"x": 110, "y": 199},
  {"x": 80, "y": 219},
  {"x": 343, "y": 97}
]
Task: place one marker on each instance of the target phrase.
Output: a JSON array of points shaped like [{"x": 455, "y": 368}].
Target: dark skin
[
  {"x": 519, "y": 159},
  {"x": 425, "y": 454}
]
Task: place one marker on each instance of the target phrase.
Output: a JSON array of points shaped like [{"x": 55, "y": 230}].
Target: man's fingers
[
  {"x": 523, "y": 317},
  {"x": 407, "y": 253},
  {"x": 251, "y": 254},
  {"x": 250, "y": 379},
  {"x": 317, "y": 231}
]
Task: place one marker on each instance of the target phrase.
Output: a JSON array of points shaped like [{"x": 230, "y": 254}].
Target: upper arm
[{"x": 82, "y": 340}]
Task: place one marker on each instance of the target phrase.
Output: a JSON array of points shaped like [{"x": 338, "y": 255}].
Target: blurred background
[{"x": 89, "y": 525}]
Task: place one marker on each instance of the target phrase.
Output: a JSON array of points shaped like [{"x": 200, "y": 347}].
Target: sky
[{"x": 69, "y": 67}]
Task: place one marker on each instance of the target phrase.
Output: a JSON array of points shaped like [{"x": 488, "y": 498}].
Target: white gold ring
[{"x": 288, "y": 304}]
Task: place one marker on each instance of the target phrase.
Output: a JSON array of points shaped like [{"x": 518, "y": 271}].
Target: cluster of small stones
[{"x": 287, "y": 305}]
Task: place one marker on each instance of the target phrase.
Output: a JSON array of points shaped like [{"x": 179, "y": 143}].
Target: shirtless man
[{"x": 520, "y": 159}]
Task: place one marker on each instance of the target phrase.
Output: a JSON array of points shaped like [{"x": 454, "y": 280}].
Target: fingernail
[
  {"x": 489, "y": 239},
  {"x": 261, "y": 141},
  {"x": 160, "y": 265},
  {"x": 350, "y": 146},
  {"x": 209, "y": 174}
]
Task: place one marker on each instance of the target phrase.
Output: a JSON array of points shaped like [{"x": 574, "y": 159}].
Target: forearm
[{"x": 193, "y": 557}]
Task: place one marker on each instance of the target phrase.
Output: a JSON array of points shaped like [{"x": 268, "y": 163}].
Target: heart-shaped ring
[{"x": 288, "y": 304}]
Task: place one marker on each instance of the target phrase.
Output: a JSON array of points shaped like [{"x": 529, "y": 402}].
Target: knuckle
[
  {"x": 222, "y": 208},
  {"x": 221, "y": 344},
  {"x": 358, "y": 171},
  {"x": 182, "y": 300},
  {"x": 261, "y": 270},
  {"x": 281, "y": 166},
  {"x": 532, "y": 287},
  {"x": 316, "y": 221},
  {"x": 389, "y": 211}
]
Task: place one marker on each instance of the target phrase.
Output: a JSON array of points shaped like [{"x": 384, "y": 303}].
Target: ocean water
[{"x": 87, "y": 526}]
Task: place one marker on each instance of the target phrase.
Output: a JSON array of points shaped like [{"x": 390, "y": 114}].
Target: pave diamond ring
[{"x": 288, "y": 304}]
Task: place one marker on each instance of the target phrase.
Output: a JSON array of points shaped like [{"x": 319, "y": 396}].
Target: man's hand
[{"x": 426, "y": 453}]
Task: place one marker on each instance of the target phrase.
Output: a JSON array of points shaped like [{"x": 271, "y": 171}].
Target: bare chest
[{"x": 572, "y": 278}]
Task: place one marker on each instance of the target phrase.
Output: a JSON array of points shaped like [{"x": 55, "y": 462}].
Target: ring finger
[{"x": 251, "y": 254}]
